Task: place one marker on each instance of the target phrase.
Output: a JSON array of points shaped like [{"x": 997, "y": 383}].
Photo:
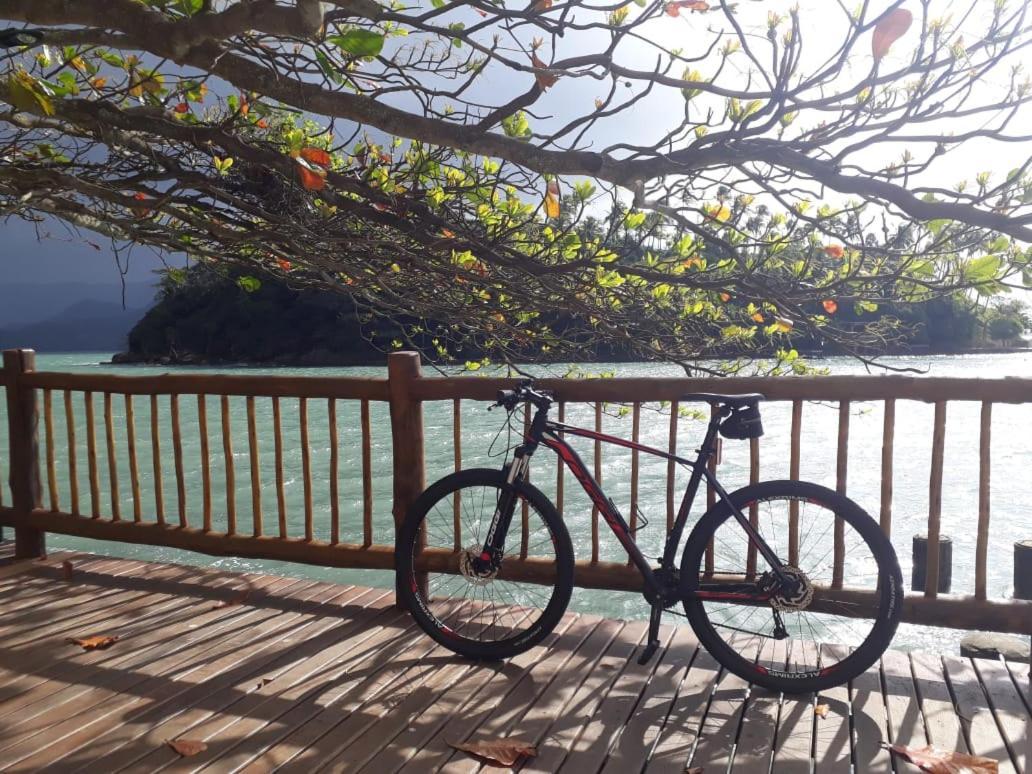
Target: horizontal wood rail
[{"x": 287, "y": 468}]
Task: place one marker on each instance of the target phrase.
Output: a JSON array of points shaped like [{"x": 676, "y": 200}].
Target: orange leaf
[
  {"x": 316, "y": 156},
  {"x": 66, "y": 570},
  {"x": 245, "y": 106},
  {"x": 938, "y": 761},
  {"x": 96, "y": 642},
  {"x": 821, "y": 710},
  {"x": 888, "y": 30},
  {"x": 541, "y": 5},
  {"x": 757, "y": 317},
  {"x": 447, "y": 233},
  {"x": 503, "y": 752},
  {"x": 482, "y": 13},
  {"x": 182, "y": 107},
  {"x": 552, "y": 199},
  {"x": 725, "y": 297},
  {"x": 98, "y": 82},
  {"x": 284, "y": 264},
  {"x": 262, "y": 123},
  {"x": 830, "y": 305},
  {"x": 599, "y": 103},
  {"x": 310, "y": 179},
  {"x": 140, "y": 212},
  {"x": 834, "y": 251},
  {"x": 187, "y": 747},
  {"x": 544, "y": 80},
  {"x": 674, "y": 8}
]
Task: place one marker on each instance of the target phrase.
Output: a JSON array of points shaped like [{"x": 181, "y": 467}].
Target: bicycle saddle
[{"x": 731, "y": 401}]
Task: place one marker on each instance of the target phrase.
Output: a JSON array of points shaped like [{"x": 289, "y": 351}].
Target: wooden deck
[{"x": 285, "y": 673}]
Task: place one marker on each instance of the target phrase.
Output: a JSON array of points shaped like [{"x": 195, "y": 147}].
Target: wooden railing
[{"x": 89, "y": 420}]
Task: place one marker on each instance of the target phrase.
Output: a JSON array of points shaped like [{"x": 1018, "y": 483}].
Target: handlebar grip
[{"x": 506, "y": 398}]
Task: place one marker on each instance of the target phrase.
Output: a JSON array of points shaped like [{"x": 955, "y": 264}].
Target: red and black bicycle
[{"x": 762, "y": 577}]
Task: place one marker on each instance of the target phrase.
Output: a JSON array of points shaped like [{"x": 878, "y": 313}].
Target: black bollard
[
  {"x": 920, "y": 573},
  {"x": 1023, "y": 569}
]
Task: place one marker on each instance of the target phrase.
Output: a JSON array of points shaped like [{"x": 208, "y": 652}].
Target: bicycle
[{"x": 772, "y": 621}]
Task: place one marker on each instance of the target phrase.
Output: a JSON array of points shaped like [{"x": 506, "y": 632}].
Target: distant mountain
[
  {"x": 23, "y": 303},
  {"x": 88, "y": 325}
]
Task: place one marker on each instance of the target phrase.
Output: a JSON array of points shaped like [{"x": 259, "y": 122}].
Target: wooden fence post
[
  {"x": 23, "y": 420},
  {"x": 403, "y": 368}
]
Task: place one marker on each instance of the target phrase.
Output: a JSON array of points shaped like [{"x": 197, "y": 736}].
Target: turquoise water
[{"x": 1010, "y": 449}]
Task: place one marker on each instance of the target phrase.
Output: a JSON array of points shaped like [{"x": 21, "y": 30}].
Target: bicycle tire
[
  {"x": 407, "y": 548},
  {"x": 823, "y": 674}
]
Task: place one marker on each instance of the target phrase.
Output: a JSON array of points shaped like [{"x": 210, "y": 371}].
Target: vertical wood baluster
[
  {"x": 982, "y": 542},
  {"x": 134, "y": 467},
  {"x": 109, "y": 436},
  {"x": 635, "y": 470},
  {"x": 281, "y": 495},
  {"x": 598, "y": 478},
  {"x": 560, "y": 468},
  {"x": 367, "y": 476},
  {"x": 754, "y": 509},
  {"x": 331, "y": 411},
  {"x": 177, "y": 453},
  {"x": 794, "y": 456},
  {"x": 457, "y": 451},
  {"x": 711, "y": 495},
  {"x": 73, "y": 468},
  {"x": 935, "y": 500},
  {"x": 202, "y": 423},
  {"x": 306, "y": 467},
  {"x": 159, "y": 494},
  {"x": 671, "y": 465},
  {"x": 841, "y": 472},
  {"x": 256, "y": 471},
  {"x": 91, "y": 454},
  {"x": 524, "y": 505},
  {"x": 227, "y": 452},
  {"x": 48, "y": 421},
  {"x": 888, "y": 439}
]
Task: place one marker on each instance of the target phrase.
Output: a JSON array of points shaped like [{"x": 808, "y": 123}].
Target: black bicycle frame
[{"x": 549, "y": 433}]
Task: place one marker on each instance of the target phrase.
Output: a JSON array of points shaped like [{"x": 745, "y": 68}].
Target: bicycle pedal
[{"x": 649, "y": 652}]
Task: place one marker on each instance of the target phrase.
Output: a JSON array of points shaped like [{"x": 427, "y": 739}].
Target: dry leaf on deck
[
  {"x": 237, "y": 599},
  {"x": 821, "y": 710},
  {"x": 66, "y": 569},
  {"x": 694, "y": 770},
  {"x": 187, "y": 747},
  {"x": 504, "y": 752},
  {"x": 96, "y": 642},
  {"x": 936, "y": 761}
]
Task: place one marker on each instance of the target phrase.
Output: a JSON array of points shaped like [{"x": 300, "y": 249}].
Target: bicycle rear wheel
[
  {"x": 840, "y": 620},
  {"x": 496, "y": 614}
]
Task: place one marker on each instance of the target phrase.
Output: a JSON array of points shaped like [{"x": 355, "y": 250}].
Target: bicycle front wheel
[
  {"x": 490, "y": 615},
  {"x": 846, "y": 597}
]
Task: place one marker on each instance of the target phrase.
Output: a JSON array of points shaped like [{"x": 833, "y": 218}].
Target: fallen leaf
[
  {"x": 310, "y": 179},
  {"x": 316, "y": 156},
  {"x": 821, "y": 710},
  {"x": 936, "y": 761},
  {"x": 544, "y": 80},
  {"x": 830, "y": 305},
  {"x": 187, "y": 747},
  {"x": 66, "y": 570},
  {"x": 552, "y": 199},
  {"x": 237, "y": 599},
  {"x": 504, "y": 752},
  {"x": 96, "y": 642},
  {"x": 888, "y": 30}
]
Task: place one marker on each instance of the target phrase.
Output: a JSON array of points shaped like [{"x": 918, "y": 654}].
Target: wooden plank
[
  {"x": 367, "y": 476},
  {"x": 155, "y": 433},
  {"x": 940, "y": 719},
  {"x": 281, "y": 497},
  {"x": 134, "y": 468},
  {"x": 256, "y": 470},
  {"x": 91, "y": 456},
  {"x": 597, "y": 459},
  {"x": 1008, "y": 708},
  {"x": 635, "y": 469},
  {"x": 794, "y": 458},
  {"x": 560, "y": 467},
  {"x": 671, "y": 466},
  {"x": 457, "y": 466},
  {"x": 306, "y": 469},
  {"x": 48, "y": 422},
  {"x": 109, "y": 435},
  {"x": 177, "y": 453},
  {"x": 227, "y": 462},
  {"x": 870, "y": 725},
  {"x": 976, "y": 715},
  {"x": 524, "y": 504},
  {"x": 73, "y": 470},
  {"x": 754, "y": 508},
  {"x": 832, "y": 734},
  {"x": 202, "y": 429},
  {"x": 797, "y": 721},
  {"x": 841, "y": 474},
  {"x": 888, "y": 440},
  {"x": 906, "y": 724},
  {"x": 331, "y": 414},
  {"x": 935, "y": 500},
  {"x": 984, "y": 469},
  {"x": 678, "y": 738},
  {"x": 754, "y": 747}
]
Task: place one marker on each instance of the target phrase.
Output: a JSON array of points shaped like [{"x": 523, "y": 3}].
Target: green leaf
[
  {"x": 359, "y": 42},
  {"x": 982, "y": 269},
  {"x": 249, "y": 284}
]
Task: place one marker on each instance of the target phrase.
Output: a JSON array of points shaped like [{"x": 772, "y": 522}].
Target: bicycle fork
[{"x": 494, "y": 543}]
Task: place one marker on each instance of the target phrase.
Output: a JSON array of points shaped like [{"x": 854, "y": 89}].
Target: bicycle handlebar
[{"x": 509, "y": 399}]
